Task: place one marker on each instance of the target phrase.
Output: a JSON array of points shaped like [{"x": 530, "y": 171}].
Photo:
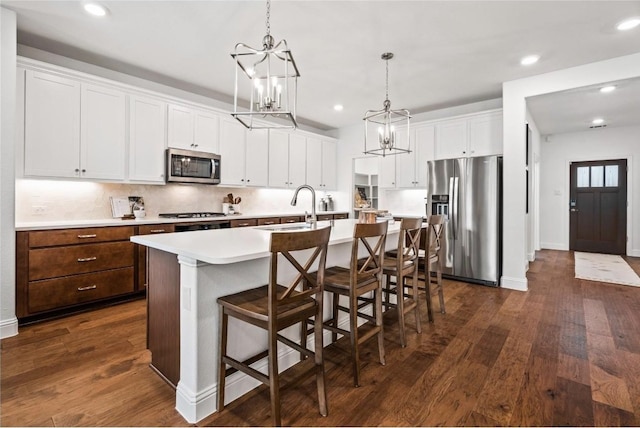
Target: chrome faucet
[{"x": 294, "y": 201}]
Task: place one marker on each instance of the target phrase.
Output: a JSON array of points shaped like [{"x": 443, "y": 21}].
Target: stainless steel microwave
[{"x": 188, "y": 166}]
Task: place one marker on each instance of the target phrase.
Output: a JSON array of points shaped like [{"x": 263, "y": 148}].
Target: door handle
[{"x": 574, "y": 210}]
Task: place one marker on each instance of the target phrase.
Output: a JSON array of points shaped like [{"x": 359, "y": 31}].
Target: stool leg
[
  {"x": 379, "y": 322},
  {"x": 274, "y": 380},
  {"x": 319, "y": 361},
  {"x": 334, "y": 315},
  {"x": 440, "y": 288},
  {"x": 400, "y": 307},
  {"x": 353, "y": 336},
  {"x": 303, "y": 338},
  {"x": 222, "y": 352},
  {"x": 427, "y": 287},
  {"x": 416, "y": 311}
]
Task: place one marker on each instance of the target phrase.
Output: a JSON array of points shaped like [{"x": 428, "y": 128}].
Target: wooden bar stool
[
  {"x": 430, "y": 256},
  {"x": 361, "y": 278},
  {"x": 274, "y": 307},
  {"x": 404, "y": 265}
]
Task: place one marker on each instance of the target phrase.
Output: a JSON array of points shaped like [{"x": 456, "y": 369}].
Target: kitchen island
[{"x": 188, "y": 271}]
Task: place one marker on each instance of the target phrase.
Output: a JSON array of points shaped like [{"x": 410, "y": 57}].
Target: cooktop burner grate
[{"x": 191, "y": 215}]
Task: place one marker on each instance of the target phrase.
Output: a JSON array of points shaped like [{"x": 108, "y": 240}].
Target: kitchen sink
[{"x": 287, "y": 227}]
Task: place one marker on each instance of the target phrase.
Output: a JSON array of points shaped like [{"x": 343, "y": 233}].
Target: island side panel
[{"x": 163, "y": 314}]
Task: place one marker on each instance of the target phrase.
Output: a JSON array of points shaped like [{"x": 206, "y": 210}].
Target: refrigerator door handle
[{"x": 453, "y": 192}]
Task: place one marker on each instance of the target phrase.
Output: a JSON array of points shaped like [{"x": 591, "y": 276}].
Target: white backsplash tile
[
  {"x": 51, "y": 200},
  {"x": 404, "y": 202}
]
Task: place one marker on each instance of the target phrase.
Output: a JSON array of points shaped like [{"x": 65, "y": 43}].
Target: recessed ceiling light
[
  {"x": 531, "y": 59},
  {"x": 606, "y": 89},
  {"x": 598, "y": 121},
  {"x": 95, "y": 9},
  {"x": 338, "y": 107},
  {"x": 628, "y": 24}
]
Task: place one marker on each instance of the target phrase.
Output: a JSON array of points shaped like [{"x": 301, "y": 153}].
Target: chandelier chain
[
  {"x": 387, "y": 81},
  {"x": 268, "y": 16}
]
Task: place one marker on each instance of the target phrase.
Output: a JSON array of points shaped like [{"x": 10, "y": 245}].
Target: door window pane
[
  {"x": 611, "y": 176},
  {"x": 597, "y": 176},
  {"x": 583, "y": 176}
]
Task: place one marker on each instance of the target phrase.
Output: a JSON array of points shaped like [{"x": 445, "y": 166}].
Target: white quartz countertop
[
  {"x": 225, "y": 246},
  {"x": 71, "y": 224}
]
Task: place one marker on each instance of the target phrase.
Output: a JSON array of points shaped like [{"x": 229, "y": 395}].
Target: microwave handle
[{"x": 213, "y": 168}]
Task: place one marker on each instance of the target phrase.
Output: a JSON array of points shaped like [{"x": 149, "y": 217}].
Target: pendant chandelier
[
  {"x": 382, "y": 128},
  {"x": 270, "y": 79}
]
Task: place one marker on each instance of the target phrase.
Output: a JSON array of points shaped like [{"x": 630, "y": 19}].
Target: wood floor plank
[{"x": 497, "y": 357}]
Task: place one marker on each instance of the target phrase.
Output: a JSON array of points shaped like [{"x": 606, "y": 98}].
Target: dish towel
[{"x": 605, "y": 268}]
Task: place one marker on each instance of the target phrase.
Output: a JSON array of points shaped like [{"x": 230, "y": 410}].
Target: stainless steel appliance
[
  {"x": 198, "y": 225},
  {"x": 188, "y": 166},
  {"x": 468, "y": 192}
]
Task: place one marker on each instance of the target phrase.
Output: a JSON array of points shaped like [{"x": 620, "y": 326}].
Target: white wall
[
  {"x": 594, "y": 144},
  {"x": 8, "y": 321},
  {"x": 514, "y": 244}
]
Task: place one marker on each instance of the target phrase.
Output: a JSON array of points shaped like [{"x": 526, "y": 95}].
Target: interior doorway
[{"x": 598, "y": 206}]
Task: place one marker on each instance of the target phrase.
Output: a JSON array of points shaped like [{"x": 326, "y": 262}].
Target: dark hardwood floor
[{"x": 567, "y": 352}]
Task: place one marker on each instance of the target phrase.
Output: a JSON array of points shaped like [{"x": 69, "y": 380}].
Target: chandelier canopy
[
  {"x": 269, "y": 79},
  {"x": 382, "y": 127}
]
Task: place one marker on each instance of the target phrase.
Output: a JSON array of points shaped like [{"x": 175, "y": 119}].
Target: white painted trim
[
  {"x": 553, "y": 246},
  {"x": 532, "y": 256},
  {"x": 633, "y": 253},
  {"x": 517, "y": 284},
  {"x": 8, "y": 328}
]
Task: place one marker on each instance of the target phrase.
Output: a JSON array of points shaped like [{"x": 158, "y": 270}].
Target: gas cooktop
[{"x": 190, "y": 215}]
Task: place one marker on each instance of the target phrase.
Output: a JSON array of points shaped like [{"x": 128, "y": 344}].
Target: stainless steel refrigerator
[{"x": 468, "y": 191}]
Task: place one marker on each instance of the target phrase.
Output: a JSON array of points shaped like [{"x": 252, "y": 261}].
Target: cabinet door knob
[
  {"x": 77, "y": 170},
  {"x": 84, "y": 170}
]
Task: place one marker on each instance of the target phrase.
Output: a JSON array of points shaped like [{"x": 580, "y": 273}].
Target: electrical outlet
[{"x": 38, "y": 209}]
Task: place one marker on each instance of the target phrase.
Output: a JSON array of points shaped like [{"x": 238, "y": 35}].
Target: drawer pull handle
[
  {"x": 269, "y": 222},
  {"x": 87, "y": 236},
  {"x": 87, "y": 259},
  {"x": 157, "y": 230},
  {"x": 243, "y": 224},
  {"x": 89, "y": 287}
]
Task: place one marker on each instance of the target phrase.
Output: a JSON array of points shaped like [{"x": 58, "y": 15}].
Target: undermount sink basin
[{"x": 287, "y": 227}]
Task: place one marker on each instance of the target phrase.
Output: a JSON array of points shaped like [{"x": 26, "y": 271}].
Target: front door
[{"x": 598, "y": 207}]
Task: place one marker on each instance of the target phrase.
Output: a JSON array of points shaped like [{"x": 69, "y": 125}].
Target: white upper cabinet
[
  {"x": 232, "y": 152},
  {"x": 193, "y": 129},
  {"x": 52, "y": 126},
  {"x": 297, "y": 160},
  {"x": 405, "y": 162},
  {"x": 476, "y": 135},
  {"x": 73, "y": 129},
  {"x": 451, "y": 139},
  {"x": 321, "y": 164},
  {"x": 411, "y": 168},
  {"x": 147, "y": 139},
  {"x": 103, "y": 133},
  {"x": 485, "y": 134},
  {"x": 388, "y": 171},
  {"x": 425, "y": 138},
  {"x": 257, "y": 152}
]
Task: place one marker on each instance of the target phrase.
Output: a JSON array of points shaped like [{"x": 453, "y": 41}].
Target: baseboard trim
[
  {"x": 518, "y": 284},
  {"x": 634, "y": 253},
  {"x": 8, "y": 328},
  {"x": 553, "y": 246}
]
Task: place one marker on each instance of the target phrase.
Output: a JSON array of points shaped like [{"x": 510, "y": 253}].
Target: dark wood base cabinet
[{"x": 68, "y": 270}]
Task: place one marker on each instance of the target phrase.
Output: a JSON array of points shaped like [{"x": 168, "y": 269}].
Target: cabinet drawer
[
  {"x": 71, "y": 290},
  {"x": 244, "y": 223},
  {"x": 156, "y": 228},
  {"x": 291, "y": 219},
  {"x": 268, "y": 221},
  {"x": 51, "y": 238},
  {"x": 52, "y": 262},
  {"x": 340, "y": 216},
  {"x": 324, "y": 217}
]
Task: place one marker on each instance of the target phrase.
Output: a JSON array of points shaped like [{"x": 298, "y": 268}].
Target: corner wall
[{"x": 8, "y": 320}]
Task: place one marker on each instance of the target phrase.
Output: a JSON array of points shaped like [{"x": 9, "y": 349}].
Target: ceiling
[{"x": 447, "y": 53}]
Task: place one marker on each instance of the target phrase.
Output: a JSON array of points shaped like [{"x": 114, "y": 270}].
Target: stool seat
[
  {"x": 339, "y": 277},
  {"x": 391, "y": 265},
  {"x": 254, "y": 304}
]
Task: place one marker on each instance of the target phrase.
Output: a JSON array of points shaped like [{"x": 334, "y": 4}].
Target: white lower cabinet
[
  {"x": 147, "y": 139},
  {"x": 73, "y": 129}
]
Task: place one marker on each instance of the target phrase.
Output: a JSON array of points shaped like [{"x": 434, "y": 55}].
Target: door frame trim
[{"x": 567, "y": 196}]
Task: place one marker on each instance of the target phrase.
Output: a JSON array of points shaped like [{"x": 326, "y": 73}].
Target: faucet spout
[{"x": 294, "y": 201}]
